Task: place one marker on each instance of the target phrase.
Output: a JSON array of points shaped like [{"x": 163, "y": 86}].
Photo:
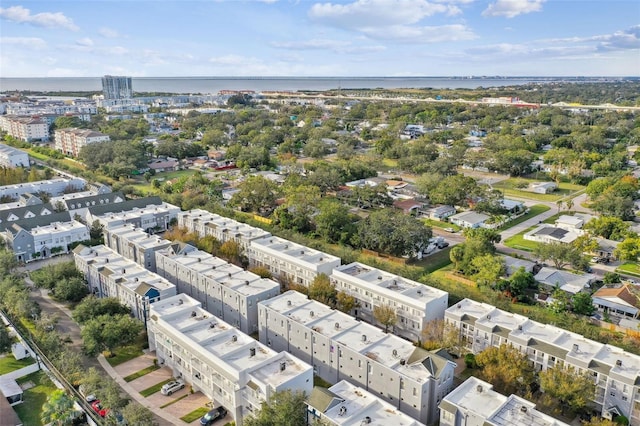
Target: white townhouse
[
  {"x": 346, "y": 404},
  {"x": 135, "y": 244},
  {"x": 227, "y": 291},
  {"x": 52, "y": 187},
  {"x": 26, "y": 129},
  {"x": 109, "y": 274},
  {"x": 149, "y": 213},
  {"x": 290, "y": 261},
  {"x": 615, "y": 372},
  {"x": 71, "y": 140},
  {"x": 13, "y": 157},
  {"x": 78, "y": 203},
  {"x": 415, "y": 304},
  {"x": 228, "y": 366},
  {"x": 340, "y": 347},
  {"x": 475, "y": 403},
  {"x": 221, "y": 228}
]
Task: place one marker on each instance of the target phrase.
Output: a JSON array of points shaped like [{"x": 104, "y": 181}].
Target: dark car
[{"x": 213, "y": 415}]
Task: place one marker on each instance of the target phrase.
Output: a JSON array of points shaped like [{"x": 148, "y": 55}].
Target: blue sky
[{"x": 86, "y": 38}]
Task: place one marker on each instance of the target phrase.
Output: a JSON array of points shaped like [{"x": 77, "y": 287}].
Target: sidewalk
[{"x": 136, "y": 395}]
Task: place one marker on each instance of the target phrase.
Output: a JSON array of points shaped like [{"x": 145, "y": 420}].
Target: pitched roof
[
  {"x": 125, "y": 205},
  {"x": 624, "y": 293},
  {"x": 29, "y": 224},
  {"x": 22, "y": 211},
  {"x": 108, "y": 198},
  {"x": 321, "y": 398}
]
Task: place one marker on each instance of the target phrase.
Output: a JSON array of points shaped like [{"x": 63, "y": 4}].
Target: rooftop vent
[
  {"x": 234, "y": 338},
  {"x": 576, "y": 348},
  {"x": 342, "y": 411},
  {"x": 395, "y": 352},
  {"x": 180, "y": 301},
  {"x": 479, "y": 388},
  {"x": 523, "y": 409},
  {"x": 366, "y": 420},
  {"x": 311, "y": 313},
  {"x": 212, "y": 325},
  {"x": 252, "y": 352},
  {"x": 301, "y": 251},
  {"x": 337, "y": 325},
  {"x": 488, "y": 317},
  {"x": 403, "y": 362},
  {"x": 283, "y": 366},
  {"x": 420, "y": 292},
  {"x": 246, "y": 282},
  {"x": 520, "y": 327},
  {"x": 619, "y": 363},
  {"x": 364, "y": 337},
  {"x": 193, "y": 313},
  {"x": 288, "y": 302}
]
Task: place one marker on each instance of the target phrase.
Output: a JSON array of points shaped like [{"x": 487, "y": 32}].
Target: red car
[{"x": 102, "y": 412}]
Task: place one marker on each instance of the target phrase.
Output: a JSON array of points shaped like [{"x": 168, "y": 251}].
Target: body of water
[{"x": 206, "y": 85}]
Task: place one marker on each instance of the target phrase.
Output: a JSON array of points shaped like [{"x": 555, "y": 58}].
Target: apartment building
[
  {"x": 117, "y": 87},
  {"x": 346, "y": 404},
  {"x": 340, "y": 347},
  {"x": 43, "y": 236},
  {"x": 226, "y": 365},
  {"x": 12, "y": 157},
  {"x": 415, "y": 304},
  {"x": 290, "y": 261},
  {"x": 221, "y": 228},
  {"x": 52, "y": 187},
  {"x": 78, "y": 203},
  {"x": 26, "y": 129},
  {"x": 475, "y": 403},
  {"x": 109, "y": 274},
  {"x": 227, "y": 291},
  {"x": 71, "y": 140},
  {"x": 615, "y": 372},
  {"x": 149, "y": 213},
  {"x": 135, "y": 244}
]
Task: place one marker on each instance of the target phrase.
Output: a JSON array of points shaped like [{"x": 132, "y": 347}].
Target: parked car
[
  {"x": 97, "y": 407},
  {"x": 443, "y": 244},
  {"x": 450, "y": 230},
  {"x": 172, "y": 386},
  {"x": 213, "y": 415}
]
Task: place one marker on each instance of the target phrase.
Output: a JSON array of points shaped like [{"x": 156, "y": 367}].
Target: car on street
[
  {"x": 213, "y": 415},
  {"x": 450, "y": 230},
  {"x": 172, "y": 386},
  {"x": 443, "y": 244}
]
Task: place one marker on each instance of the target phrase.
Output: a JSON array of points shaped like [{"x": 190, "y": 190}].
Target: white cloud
[
  {"x": 34, "y": 43},
  {"x": 22, "y": 15},
  {"x": 108, "y": 32},
  {"x": 337, "y": 46},
  {"x": 85, "y": 42},
  {"x": 414, "y": 34},
  {"x": 513, "y": 8}
]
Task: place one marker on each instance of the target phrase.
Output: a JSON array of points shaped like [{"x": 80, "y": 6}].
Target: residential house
[
  {"x": 109, "y": 274},
  {"x": 78, "y": 203},
  {"x": 543, "y": 187},
  {"x": 512, "y": 264},
  {"x": 565, "y": 280},
  {"x": 164, "y": 165},
  {"x": 440, "y": 212},
  {"x": 227, "y": 291},
  {"x": 475, "y": 403},
  {"x": 13, "y": 157},
  {"x": 573, "y": 222},
  {"x": 621, "y": 301},
  {"x": 512, "y": 207},
  {"x": 615, "y": 372},
  {"x": 24, "y": 213},
  {"x": 346, "y": 404},
  {"x": 469, "y": 219},
  {"x": 551, "y": 234},
  {"x": 408, "y": 206},
  {"x": 340, "y": 347},
  {"x": 229, "y": 367},
  {"x": 415, "y": 304}
]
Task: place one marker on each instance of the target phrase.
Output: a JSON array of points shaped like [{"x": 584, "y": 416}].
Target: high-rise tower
[{"x": 117, "y": 87}]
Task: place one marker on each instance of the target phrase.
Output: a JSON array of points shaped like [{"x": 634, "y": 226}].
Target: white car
[{"x": 172, "y": 386}]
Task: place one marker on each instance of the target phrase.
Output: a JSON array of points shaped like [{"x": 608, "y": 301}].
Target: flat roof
[
  {"x": 231, "y": 225},
  {"x": 476, "y": 396},
  {"x": 58, "y": 227},
  {"x": 285, "y": 248},
  {"x": 469, "y": 309},
  {"x": 519, "y": 411}
]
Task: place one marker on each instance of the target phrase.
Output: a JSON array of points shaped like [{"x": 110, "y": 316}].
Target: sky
[{"x": 306, "y": 38}]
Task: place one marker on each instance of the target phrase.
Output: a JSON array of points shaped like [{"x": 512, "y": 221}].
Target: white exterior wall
[
  {"x": 13, "y": 157},
  {"x": 52, "y": 187}
]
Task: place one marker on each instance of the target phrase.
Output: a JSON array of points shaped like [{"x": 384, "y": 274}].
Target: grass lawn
[
  {"x": 143, "y": 185},
  {"x": 9, "y": 363},
  {"x": 317, "y": 381},
  {"x": 155, "y": 388},
  {"x": 195, "y": 414},
  {"x": 34, "y": 398},
  {"x": 173, "y": 401},
  {"x": 143, "y": 372},
  {"x": 439, "y": 224},
  {"x": 435, "y": 261},
  {"x": 125, "y": 353},
  {"x": 534, "y": 210},
  {"x": 629, "y": 268},
  {"x": 518, "y": 241},
  {"x": 389, "y": 163},
  {"x": 513, "y": 187}
]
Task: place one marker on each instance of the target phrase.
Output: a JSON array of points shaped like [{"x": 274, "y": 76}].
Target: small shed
[{"x": 11, "y": 390}]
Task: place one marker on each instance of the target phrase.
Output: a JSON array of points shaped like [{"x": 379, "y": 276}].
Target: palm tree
[
  {"x": 569, "y": 204},
  {"x": 58, "y": 410}
]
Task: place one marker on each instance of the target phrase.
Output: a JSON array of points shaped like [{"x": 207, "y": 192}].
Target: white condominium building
[
  {"x": 109, "y": 274},
  {"x": 346, "y": 404},
  {"x": 226, "y": 365},
  {"x": 227, "y": 291},
  {"x": 615, "y": 372},
  {"x": 150, "y": 214},
  {"x": 415, "y": 304},
  {"x": 26, "y": 129},
  {"x": 289, "y": 261},
  {"x": 13, "y": 157},
  {"x": 342, "y": 348},
  {"x": 221, "y": 228},
  {"x": 475, "y": 403},
  {"x": 135, "y": 244},
  {"x": 70, "y": 141},
  {"x": 51, "y": 187}
]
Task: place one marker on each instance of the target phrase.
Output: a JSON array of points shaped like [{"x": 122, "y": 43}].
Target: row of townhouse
[
  {"x": 342, "y": 348},
  {"x": 615, "y": 372},
  {"x": 13, "y": 157},
  {"x": 26, "y": 129},
  {"x": 149, "y": 213},
  {"x": 40, "y": 237},
  {"x": 109, "y": 274},
  {"x": 70, "y": 141},
  {"x": 475, "y": 403},
  {"x": 52, "y": 187},
  {"x": 135, "y": 244},
  {"x": 227, "y": 291},
  {"x": 229, "y": 367}
]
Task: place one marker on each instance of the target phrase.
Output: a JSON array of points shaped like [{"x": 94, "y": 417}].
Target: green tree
[
  {"x": 284, "y": 408},
  {"x": 455, "y": 190},
  {"x": 137, "y": 415},
  {"x": 456, "y": 255},
  {"x": 72, "y": 289},
  {"x": 572, "y": 389},
  {"x": 560, "y": 302},
  {"x": 607, "y": 227},
  {"x": 559, "y": 253},
  {"x": 322, "y": 290},
  {"x": 385, "y": 315},
  {"x": 392, "y": 232},
  {"x": 489, "y": 269},
  {"x": 334, "y": 222},
  {"x": 506, "y": 368},
  {"x": 5, "y": 340},
  {"x": 345, "y": 302},
  {"x": 106, "y": 332},
  {"x": 520, "y": 281},
  {"x": 92, "y": 307},
  {"x": 58, "y": 409},
  {"x": 256, "y": 194},
  {"x": 628, "y": 249},
  {"x": 582, "y": 304}
]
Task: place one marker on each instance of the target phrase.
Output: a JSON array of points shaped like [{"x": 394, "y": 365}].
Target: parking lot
[{"x": 171, "y": 407}]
